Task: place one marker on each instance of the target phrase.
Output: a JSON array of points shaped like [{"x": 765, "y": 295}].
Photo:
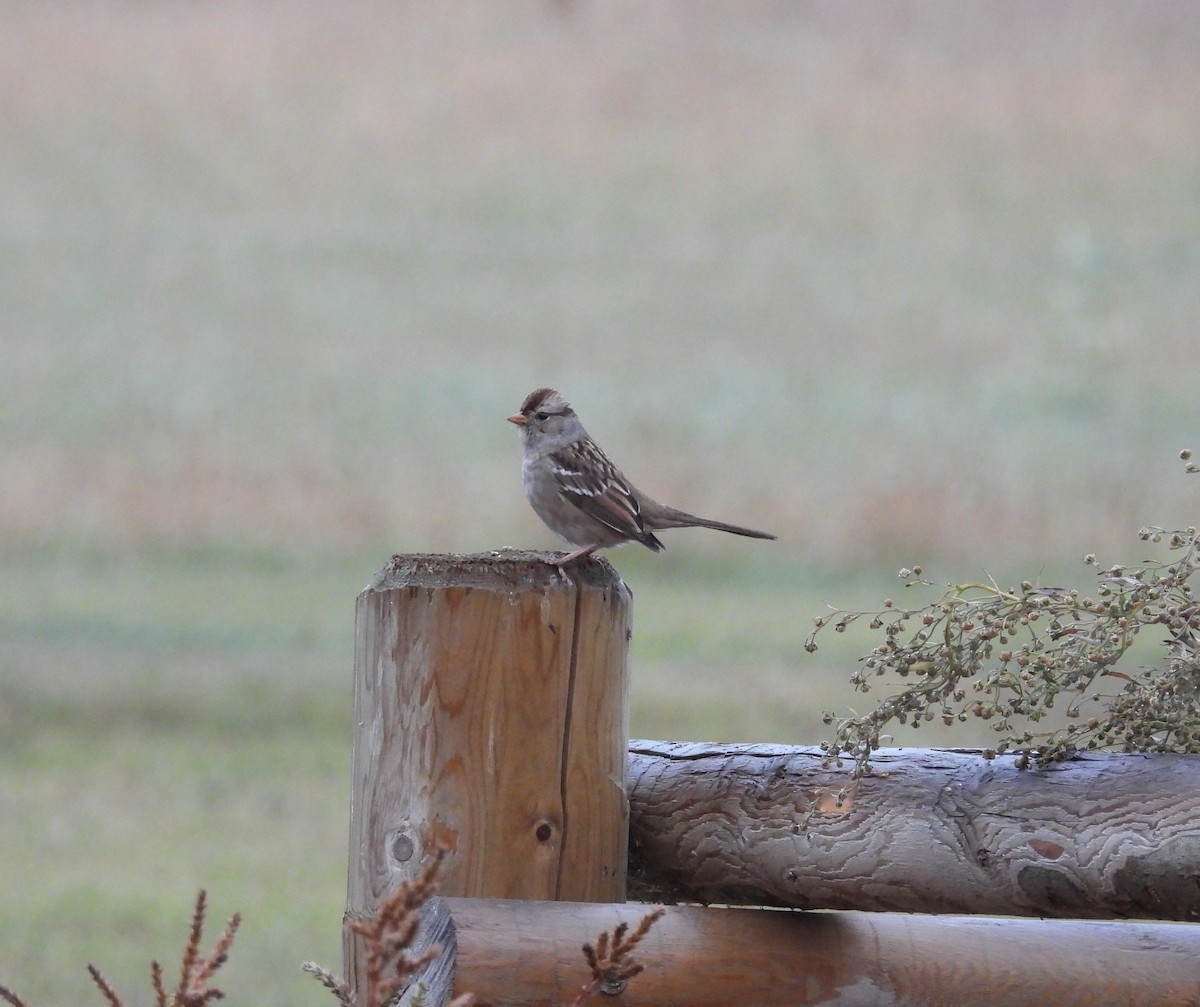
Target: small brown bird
[{"x": 582, "y": 496}]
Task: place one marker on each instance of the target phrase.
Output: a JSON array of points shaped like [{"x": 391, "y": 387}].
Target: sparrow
[{"x": 582, "y": 496}]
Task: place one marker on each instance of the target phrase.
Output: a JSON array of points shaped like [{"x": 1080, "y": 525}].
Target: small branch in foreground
[
  {"x": 609, "y": 960},
  {"x": 387, "y": 936},
  {"x": 195, "y": 971},
  {"x": 11, "y": 998}
]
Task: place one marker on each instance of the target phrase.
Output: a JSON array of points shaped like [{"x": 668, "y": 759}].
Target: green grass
[
  {"x": 172, "y": 722},
  {"x": 110, "y": 833},
  {"x": 903, "y": 284}
]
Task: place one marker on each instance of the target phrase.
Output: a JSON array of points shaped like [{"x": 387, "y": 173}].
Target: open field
[{"x": 904, "y": 282}]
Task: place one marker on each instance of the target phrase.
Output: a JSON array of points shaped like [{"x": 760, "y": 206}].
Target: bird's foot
[{"x": 571, "y": 557}]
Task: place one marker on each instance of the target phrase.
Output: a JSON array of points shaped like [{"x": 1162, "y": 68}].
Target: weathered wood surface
[
  {"x": 432, "y": 985},
  {"x": 491, "y": 718},
  {"x": 528, "y": 954},
  {"x": 1102, "y": 836}
]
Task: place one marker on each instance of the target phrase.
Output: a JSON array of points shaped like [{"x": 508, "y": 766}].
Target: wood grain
[
  {"x": 490, "y": 718},
  {"x": 1101, "y": 836},
  {"x": 521, "y": 953},
  {"x": 433, "y": 984}
]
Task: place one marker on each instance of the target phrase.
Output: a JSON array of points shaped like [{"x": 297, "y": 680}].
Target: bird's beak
[{"x": 518, "y": 419}]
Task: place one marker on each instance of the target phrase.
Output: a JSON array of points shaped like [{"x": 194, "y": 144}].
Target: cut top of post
[{"x": 504, "y": 569}]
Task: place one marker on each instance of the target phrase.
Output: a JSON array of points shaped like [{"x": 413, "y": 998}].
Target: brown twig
[
  {"x": 195, "y": 971},
  {"x": 156, "y": 982},
  {"x": 204, "y": 969},
  {"x": 191, "y": 950},
  {"x": 609, "y": 960},
  {"x": 387, "y": 936},
  {"x": 11, "y": 998},
  {"x": 110, "y": 994},
  {"x": 331, "y": 982}
]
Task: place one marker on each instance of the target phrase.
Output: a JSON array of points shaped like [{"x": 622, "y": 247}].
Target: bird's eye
[{"x": 541, "y": 414}]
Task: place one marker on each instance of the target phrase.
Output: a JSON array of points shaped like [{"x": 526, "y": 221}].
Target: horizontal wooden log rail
[
  {"x": 528, "y": 953},
  {"x": 1101, "y": 836}
]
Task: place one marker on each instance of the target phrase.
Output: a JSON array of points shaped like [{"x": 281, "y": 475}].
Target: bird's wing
[{"x": 592, "y": 483}]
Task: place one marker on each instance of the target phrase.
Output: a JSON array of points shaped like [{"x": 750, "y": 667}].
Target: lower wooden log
[
  {"x": 529, "y": 953},
  {"x": 1100, "y": 836}
]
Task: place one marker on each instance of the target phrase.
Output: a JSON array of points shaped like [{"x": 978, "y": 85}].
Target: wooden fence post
[{"x": 491, "y": 718}]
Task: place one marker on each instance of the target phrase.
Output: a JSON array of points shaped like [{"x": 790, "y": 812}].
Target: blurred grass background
[{"x": 905, "y": 282}]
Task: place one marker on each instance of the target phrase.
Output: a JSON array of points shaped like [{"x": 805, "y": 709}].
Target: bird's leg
[{"x": 587, "y": 550}]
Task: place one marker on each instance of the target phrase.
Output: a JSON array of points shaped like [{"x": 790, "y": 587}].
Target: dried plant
[
  {"x": 387, "y": 936},
  {"x": 195, "y": 972},
  {"x": 11, "y": 998},
  {"x": 1000, "y": 655},
  {"x": 609, "y": 960},
  {"x": 338, "y": 987},
  {"x": 390, "y": 968}
]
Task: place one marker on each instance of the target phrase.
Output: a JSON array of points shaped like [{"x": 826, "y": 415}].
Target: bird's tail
[{"x": 669, "y": 517}]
